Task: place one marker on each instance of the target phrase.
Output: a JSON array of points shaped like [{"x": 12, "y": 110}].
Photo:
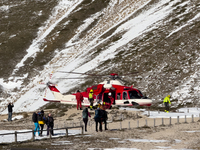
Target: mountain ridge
[{"x": 148, "y": 36}]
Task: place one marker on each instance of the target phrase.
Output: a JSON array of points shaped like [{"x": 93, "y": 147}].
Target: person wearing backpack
[
  {"x": 41, "y": 121},
  {"x": 85, "y": 115},
  {"x": 50, "y": 124},
  {"x": 35, "y": 120},
  {"x": 104, "y": 117},
  {"x": 97, "y": 119}
]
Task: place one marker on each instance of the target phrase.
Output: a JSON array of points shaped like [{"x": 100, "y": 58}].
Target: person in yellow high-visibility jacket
[
  {"x": 91, "y": 98},
  {"x": 166, "y": 101}
]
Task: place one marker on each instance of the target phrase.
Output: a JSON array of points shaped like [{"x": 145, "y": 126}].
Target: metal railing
[{"x": 50, "y": 136}]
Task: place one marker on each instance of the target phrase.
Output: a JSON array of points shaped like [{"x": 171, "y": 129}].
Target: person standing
[
  {"x": 91, "y": 98},
  {"x": 85, "y": 115},
  {"x": 111, "y": 100},
  {"x": 166, "y": 101},
  {"x": 10, "y": 106},
  {"x": 35, "y": 120},
  {"x": 41, "y": 121},
  {"x": 79, "y": 99},
  {"x": 50, "y": 124},
  {"x": 104, "y": 116},
  {"x": 97, "y": 119}
]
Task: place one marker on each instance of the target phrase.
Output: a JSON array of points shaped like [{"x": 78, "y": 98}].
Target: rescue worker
[
  {"x": 91, "y": 98},
  {"x": 111, "y": 100},
  {"x": 79, "y": 98},
  {"x": 166, "y": 101}
]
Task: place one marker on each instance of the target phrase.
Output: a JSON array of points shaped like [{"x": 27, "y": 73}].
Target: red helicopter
[{"x": 113, "y": 87}]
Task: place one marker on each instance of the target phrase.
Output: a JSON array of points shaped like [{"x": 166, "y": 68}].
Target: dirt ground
[{"x": 126, "y": 130}]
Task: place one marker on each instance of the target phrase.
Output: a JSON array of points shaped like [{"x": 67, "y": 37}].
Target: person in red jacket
[
  {"x": 79, "y": 98},
  {"x": 111, "y": 100}
]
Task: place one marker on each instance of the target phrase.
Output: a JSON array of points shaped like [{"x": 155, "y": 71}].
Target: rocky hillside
[{"x": 157, "y": 38}]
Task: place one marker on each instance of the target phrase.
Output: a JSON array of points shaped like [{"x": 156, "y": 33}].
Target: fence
[
  {"x": 122, "y": 123},
  {"x": 50, "y": 136},
  {"x": 146, "y": 122}
]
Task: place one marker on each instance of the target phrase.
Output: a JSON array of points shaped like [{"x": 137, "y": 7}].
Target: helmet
[
  {"x": 109, "y": 94},
  {"x": 91, "y": 91},
  {"x": 169, "y": 96}
]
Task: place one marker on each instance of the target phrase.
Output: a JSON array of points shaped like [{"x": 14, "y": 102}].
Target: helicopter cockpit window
[
  {"x": 118, "y": 95},
  {"x": 134, "y": 94},
  {"x": 125, "y": 96}
]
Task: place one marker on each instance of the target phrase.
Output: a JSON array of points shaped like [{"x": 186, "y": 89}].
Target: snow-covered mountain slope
[{"x": 157, "y": 38}]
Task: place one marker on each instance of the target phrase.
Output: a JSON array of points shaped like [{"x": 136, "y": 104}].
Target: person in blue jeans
[
  {"x": 35, "y": 120},
  {"x": 10, "y": 106}
]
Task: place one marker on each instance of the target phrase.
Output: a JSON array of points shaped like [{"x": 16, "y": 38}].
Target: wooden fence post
[
  {"x": 66, "y": 132},
  {"x": 185, "y": 119},
  {"x": 199, "y": 116},
  {"x": 162, "y": 122},
  {"x": 82, "y": 130},
  {"x": 138, "y": 123},
  {"x": 15, "y": 136},
  {"x": 170, "y": 121},
  {"x": 50, "y": 133},
  {"x": 192, "y": 118},
  {"x": 177, "y": 119},
  {"x": 33, "y": 135},
  {"x": 146, "y": 122}
]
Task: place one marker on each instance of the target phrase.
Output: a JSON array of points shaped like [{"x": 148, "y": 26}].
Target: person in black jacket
[
  {"x": 104, "y": 117},
  {"x": 85, "y": 115},
  {"x": 50, "y": 124},
  {"x": 97, "y": 119},
  {"x": 35, "y": 120},
  {"x": 41, "y": 121},
  {"x": 10, "y": 106}
]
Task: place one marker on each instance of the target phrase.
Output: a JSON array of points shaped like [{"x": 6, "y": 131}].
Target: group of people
[
  {"x": 40, "y": 120},
  {"x": 99, "y": 118},
  {"x": 79, "y": 99}
]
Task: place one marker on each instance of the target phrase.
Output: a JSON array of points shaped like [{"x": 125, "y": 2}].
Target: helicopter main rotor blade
[
  {"x": 81, "y": 73},
  {"x": 130, "y": 73},
  {"x": 76, "y": 78}
]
